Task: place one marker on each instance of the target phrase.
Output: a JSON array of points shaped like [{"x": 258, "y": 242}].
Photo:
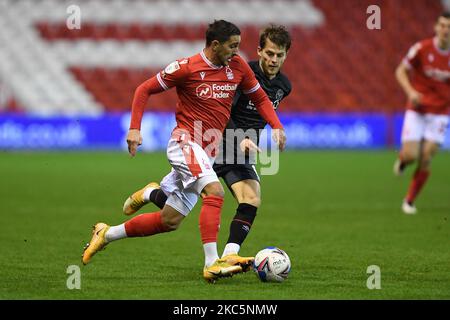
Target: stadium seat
[{"x": 335, "y": 62}]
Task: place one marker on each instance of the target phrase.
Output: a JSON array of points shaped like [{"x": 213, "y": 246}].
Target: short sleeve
[
  {"x": 174, "y": 74},
  {"x": 412, "y": 58}
]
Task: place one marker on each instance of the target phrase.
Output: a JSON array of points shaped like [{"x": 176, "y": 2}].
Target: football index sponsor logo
[
  {"x": 215, "y": 91},
  {"x": 204, "y": 91}
]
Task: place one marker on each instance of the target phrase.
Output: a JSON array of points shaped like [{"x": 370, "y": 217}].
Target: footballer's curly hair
[
  {"x": 221, "y": 31},
  {"x": 277, "y": 34}
]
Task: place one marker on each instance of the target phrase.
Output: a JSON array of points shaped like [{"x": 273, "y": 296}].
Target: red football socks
[
  {"x": 209, "y": 220},
  {"x": 417, "y": 183},
  {"x": 145, "y": 224}
]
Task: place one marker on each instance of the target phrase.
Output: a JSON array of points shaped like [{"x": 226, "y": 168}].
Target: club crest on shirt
[{"x": 229, "y": 73}]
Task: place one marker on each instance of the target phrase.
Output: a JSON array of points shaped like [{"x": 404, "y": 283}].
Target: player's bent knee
[
  {"x": 427, "y": 156},
  {"x": 214, "y": 189},
  {"x": 409, "y": 155},
  {"x": 171, "y": 218},
  {"x": 171, "y": 224},
  {"x": 425, "y": 162}
]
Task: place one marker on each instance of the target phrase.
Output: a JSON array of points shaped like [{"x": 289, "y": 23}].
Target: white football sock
[
  {"x": 211, "y": 254},
  {"x": 116, "y": 233},
  {"x": 231, "y": 248},
  {"x": 147, "y": 192}
]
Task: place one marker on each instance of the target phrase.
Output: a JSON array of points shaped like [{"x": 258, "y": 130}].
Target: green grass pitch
[{"x": 335, "y": 213}]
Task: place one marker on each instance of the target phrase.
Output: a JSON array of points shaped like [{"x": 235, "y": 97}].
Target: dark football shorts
[{"x": 232, "y": 173}]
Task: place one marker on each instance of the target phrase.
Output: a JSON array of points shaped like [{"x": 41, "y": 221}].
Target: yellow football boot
[
  {"x": 97, "y": 243},
  {"x": 220, "y": 269},
  {"x": 136, "y": 200},
  {"x": 234, "y": 259}
]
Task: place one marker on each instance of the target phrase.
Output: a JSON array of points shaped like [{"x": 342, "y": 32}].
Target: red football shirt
[
  {"x": 431, "y": 76},
  {"x": 205, "y": 93}
]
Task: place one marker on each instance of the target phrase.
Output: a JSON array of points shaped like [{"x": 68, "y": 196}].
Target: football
[{"x": 272, "y": 264}]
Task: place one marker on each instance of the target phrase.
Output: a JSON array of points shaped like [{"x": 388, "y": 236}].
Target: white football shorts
[
  {"x": 431, "y": 127},
  {"x": 191, "y": 171}
]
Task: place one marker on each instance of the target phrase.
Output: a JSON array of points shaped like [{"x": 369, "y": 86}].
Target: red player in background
[{"x": 424, "y": 75}]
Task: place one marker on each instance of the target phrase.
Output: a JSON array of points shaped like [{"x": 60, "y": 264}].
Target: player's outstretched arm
[{"x": 141, "y": 96}]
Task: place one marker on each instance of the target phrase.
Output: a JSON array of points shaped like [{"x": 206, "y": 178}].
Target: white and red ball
[{"x": 272, "y": 265}]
